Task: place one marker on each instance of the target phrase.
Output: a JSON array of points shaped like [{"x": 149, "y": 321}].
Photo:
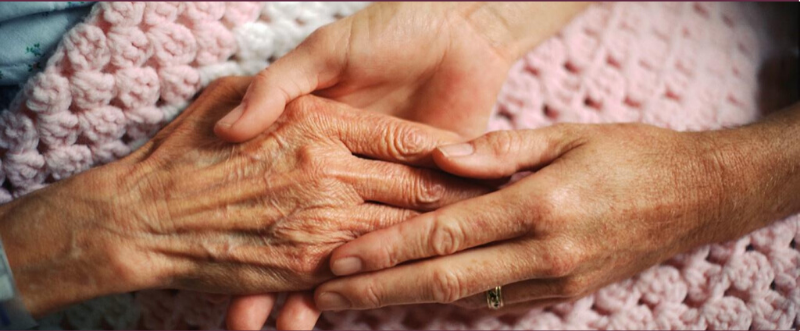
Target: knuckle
[
  {"x": 305, "y": 106},
  {"x": 446, "y": 236},
  {"x": 405, "y": 142},
  {"x": 309, "y": 263},
  {"x": 563, "y": 260},
  {"x": 427, "y": 191},
  {"x": 317, "y": 163},
  {"x": 552, "y": 210},
  {"x": 559, "y": 267},
  {"x": 310, "y": 162},
  {"x": 386, "y": 257},
  {"x": 503, "y": 142},
  {"x": 371, "y": 297},
  {"x": 446, "y": 285}
]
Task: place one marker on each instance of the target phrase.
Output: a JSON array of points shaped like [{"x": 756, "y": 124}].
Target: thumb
[
  {"x": 502, "y": 153},
  {"x": 305, "y": 69}
]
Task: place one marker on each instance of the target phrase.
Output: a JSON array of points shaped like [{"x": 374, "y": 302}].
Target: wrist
[
  {"x": 756, "y": 170},
  {"x": 59, "y": 248}
]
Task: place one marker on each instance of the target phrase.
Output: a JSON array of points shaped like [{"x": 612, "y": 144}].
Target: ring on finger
[{"x": 494, "y": 298}]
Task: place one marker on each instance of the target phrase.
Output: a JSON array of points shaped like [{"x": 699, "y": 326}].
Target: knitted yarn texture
[{"x": 130, "y": 68}]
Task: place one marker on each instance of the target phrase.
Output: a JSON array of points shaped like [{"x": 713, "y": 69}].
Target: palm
[{"x": 425, "y": 69}]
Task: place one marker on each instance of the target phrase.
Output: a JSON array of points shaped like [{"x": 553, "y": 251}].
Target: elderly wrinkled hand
[{"x": 189, "y": 211}]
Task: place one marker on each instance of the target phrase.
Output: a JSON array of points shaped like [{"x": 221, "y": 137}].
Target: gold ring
[{"x": 494, "y": 298}]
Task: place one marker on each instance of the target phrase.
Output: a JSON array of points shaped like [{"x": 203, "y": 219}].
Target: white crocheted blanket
[{"x": 132, "y": 67}]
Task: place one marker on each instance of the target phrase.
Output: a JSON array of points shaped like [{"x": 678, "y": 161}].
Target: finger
[
  {"x": 314, "y": 64},
  {"x": 408, "y": 187},
  {"x": 249, "y": 312},
  {"x": 391, "y": 139},
  {"x": 444, "y": 279},
  {"x": 525, "y": 307},
  {"x": 299, "y": 312},
  {"x": 503, "y": 153},
  {"x": 492, "y": 217},
  {"x": 479, "y": 303},
  {"x": 541, "y": 291},
  {"x": 356, "y": 220}
]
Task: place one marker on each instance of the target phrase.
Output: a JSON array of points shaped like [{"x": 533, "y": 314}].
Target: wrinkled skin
[
  {"x": 189, "y": 211},
  {"x": 268, "y": 211},
  {"x": 604, "y": 203}
]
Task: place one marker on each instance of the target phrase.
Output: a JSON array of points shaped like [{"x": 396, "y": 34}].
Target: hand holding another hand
[
  {"x": 604, "y": 203},
  {"x": 424, "y": 62}
]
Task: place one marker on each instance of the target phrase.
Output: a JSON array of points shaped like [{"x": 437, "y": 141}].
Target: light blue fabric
[{"x": 29, "y": 32}]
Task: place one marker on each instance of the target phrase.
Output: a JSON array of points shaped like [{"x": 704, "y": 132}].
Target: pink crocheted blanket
[{"x": 131, "y": 67}]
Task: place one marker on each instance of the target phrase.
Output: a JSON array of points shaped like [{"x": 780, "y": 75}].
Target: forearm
[
  {"x": 56, "y": 247},
  {"x": 517, "y": 27},
  {"x": 758, "y": 167}
]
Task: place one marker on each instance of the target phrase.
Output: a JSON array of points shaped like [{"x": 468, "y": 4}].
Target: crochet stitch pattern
[{"x": 130, "y": 68}]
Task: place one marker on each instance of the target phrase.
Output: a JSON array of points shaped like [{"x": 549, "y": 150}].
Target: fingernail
[
  {"x": 232, "y": 117},
  {"x": 346, "y": 266},
  {"x": 332, "y": 301},
  {"x": 457, "y": 150}
]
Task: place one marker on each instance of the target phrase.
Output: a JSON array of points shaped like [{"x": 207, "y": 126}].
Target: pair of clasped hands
[
  {"x": 429, "y": 64},
  {"x": 435, "y": 65},
  {"x": 354, "y": 167},
  {"x": 599, "y": 207}
]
